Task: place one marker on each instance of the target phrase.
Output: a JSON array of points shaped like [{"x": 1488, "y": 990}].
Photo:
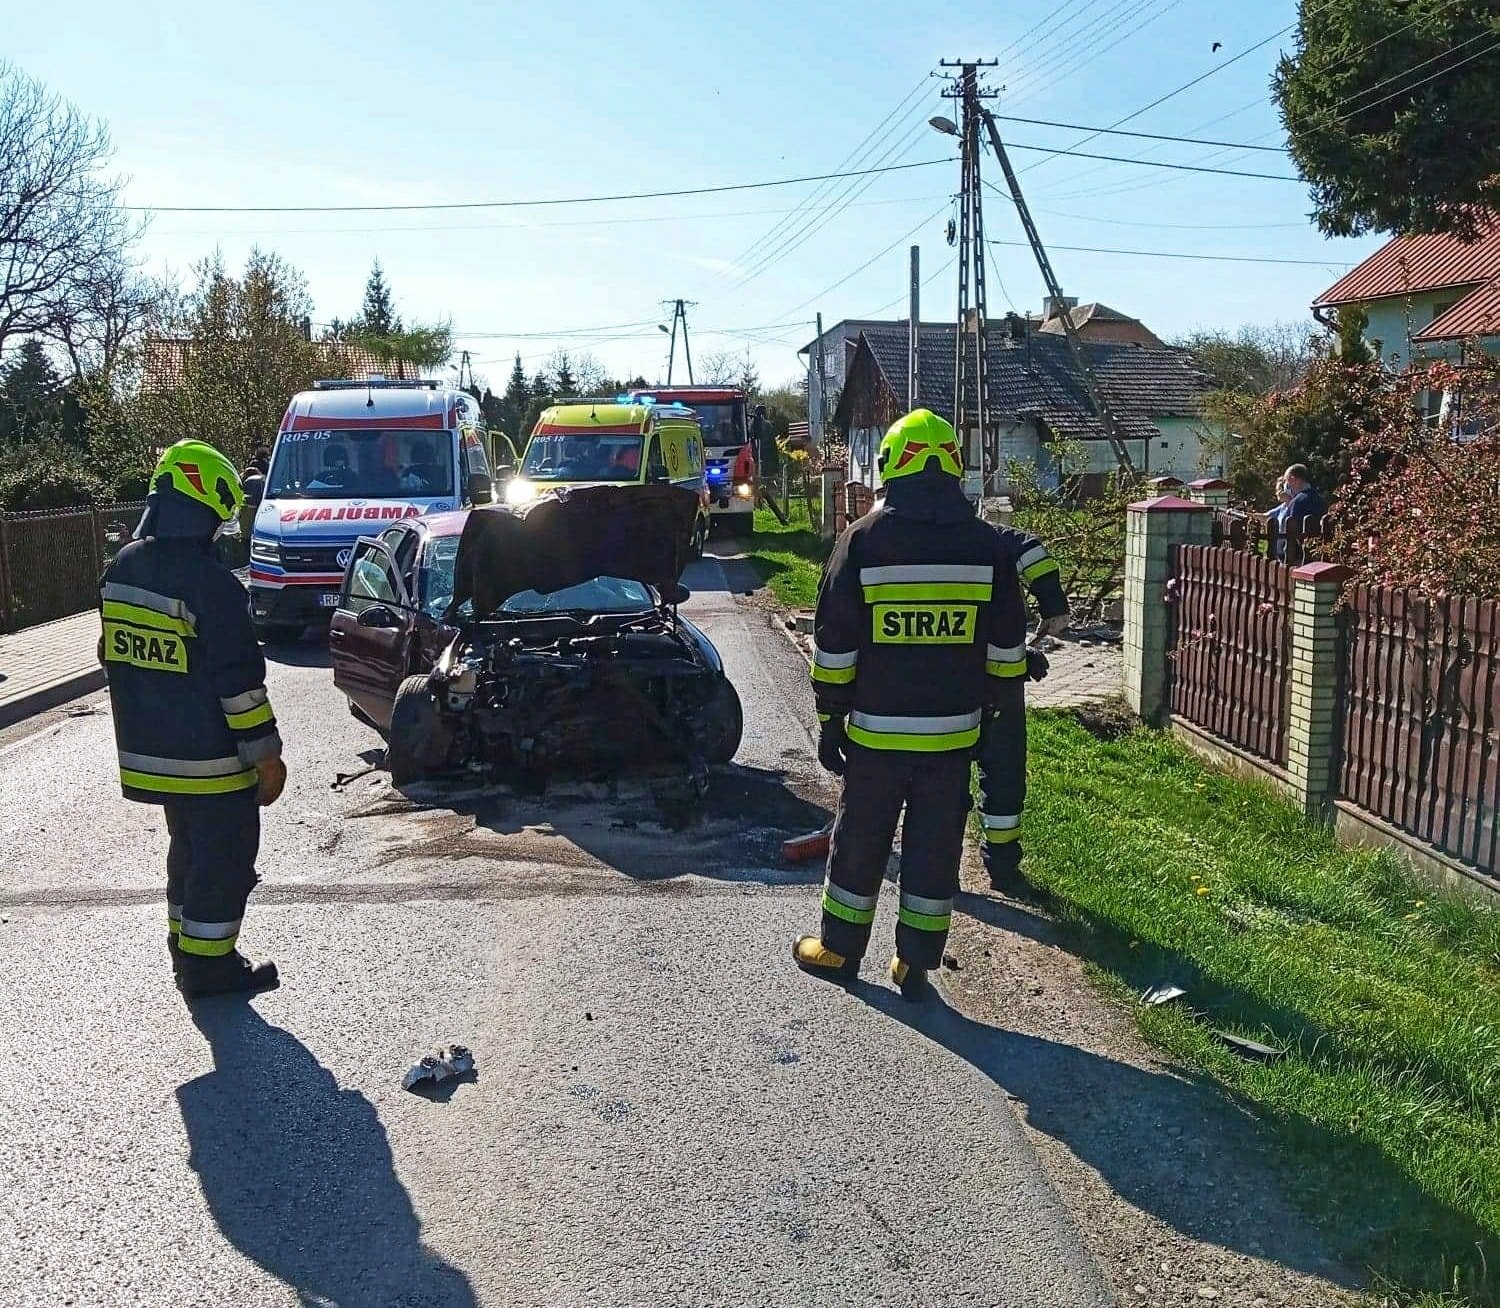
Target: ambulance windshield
[
  {"x": 583, "y": 456},
  {"x": 361, "y": 464}
]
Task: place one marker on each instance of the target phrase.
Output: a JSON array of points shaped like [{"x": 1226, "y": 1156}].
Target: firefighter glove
[
  {"x": 272, "y": 778},
  {"x": 1036, "y": 665},
  {"x": 833, "y": 746}
]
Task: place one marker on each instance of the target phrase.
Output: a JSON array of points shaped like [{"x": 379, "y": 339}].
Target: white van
[{"x": 351, "y": 456}]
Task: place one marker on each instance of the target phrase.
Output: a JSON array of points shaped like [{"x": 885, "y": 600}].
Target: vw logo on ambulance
[{"x": 343, "y": 556}]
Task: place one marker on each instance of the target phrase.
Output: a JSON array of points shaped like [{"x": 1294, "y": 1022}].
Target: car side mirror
[
  {"x": 481, "y": 488},
  {"x": 504, "y": 473},
  {"x": 378, "y": 615}
]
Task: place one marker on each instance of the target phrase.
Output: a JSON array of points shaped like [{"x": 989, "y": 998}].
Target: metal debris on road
[
  {"x": 1162, "y": 994},
  {"x": 802, "y": 849},
  {"x": 454, "y": 1060},
  {"x": 1251, "y": 1049},
  {"x": 342, "y": 779}
]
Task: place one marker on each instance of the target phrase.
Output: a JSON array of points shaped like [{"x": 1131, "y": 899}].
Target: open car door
[{"x": 370, "y": 635}]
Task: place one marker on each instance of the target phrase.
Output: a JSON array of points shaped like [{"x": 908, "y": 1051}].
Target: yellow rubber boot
[
  {"x": 814, "y": 957},
  {"x": 911, "y": 981}
]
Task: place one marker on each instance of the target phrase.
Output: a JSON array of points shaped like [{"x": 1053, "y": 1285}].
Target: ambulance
[
  {"x": 619, "y": 441},
  {"x": 351, "y": 458},
  {"x": 729, "y": 454}
]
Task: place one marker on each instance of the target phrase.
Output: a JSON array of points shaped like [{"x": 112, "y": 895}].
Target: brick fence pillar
[
  {"x": 1152, "y": 527},
  {"x": 1211, "y": 491},
  {"x": 1165, "y": 484},
  {"x": 1313, "y": 714}
]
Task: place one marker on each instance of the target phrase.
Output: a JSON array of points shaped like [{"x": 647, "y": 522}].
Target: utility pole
[
  {"x": 970, "y": 361},
  {"x": 1107, "y": 420},
  {"x": 679, "y": 314},
  {"x": 914, "y": 344},
  {"x": 822, "y": 365}
]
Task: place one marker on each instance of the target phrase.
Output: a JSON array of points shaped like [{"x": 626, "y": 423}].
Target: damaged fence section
[{"x": 50, "y": 560}]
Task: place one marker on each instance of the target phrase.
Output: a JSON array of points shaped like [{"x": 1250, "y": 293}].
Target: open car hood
[{"x": 572, "y": 535}]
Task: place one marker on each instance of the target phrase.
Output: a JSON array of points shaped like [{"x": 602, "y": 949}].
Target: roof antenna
[{"x": 369, "y": 393}]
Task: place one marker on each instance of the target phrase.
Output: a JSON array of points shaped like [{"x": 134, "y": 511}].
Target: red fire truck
[{"x": 728, "y": 452}]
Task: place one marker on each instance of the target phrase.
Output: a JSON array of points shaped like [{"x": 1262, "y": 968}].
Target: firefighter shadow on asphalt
[
  {"x": 299, "y": 1175},
  {"x": 1172, "y": 1147}
]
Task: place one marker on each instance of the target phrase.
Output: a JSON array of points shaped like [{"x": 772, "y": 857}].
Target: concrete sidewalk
[{"x": 47, "y": 665}]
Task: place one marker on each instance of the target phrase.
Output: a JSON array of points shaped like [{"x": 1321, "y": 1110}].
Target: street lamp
[
  {"x": 944, "y": 125},
  {"x": 666, "y": 331}
]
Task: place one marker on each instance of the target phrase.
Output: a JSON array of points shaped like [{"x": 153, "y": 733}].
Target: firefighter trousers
[
  {"x": 934, "y": 788},
  {"x": 1002, "y": 776},
  {"x": 210, "y": 868}
]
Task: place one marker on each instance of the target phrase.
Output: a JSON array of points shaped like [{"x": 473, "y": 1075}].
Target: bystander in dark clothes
[{"x": 1301, "y": 505}]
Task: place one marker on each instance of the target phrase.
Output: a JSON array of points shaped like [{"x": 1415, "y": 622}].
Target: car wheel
[
  {"x": 419, "y": 741},
  {"x": 278, "y": 633},
  {"x": 724, "y": 723},
  {"x": 700, "y": 537}
]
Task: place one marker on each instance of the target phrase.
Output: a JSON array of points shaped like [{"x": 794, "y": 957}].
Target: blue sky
[{"x": 330, "y": 102}]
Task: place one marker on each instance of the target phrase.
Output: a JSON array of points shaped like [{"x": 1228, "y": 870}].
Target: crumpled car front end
[{"x": 580, "y": 665}]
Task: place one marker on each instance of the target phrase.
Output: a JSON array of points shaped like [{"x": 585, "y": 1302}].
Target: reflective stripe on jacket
[
  {"x": 186, "y": 677},
  {"x": 915, "y": 618}
]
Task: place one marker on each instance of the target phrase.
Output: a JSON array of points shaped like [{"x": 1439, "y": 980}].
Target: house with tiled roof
[
  {"x": 164, "y": 362},
  {"x": 1098, "y": 322},
  {"x": 1425, "y": 296},
  {"x": 1038, "y": 401}
]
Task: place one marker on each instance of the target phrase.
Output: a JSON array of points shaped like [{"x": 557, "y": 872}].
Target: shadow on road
[
  {"x": 311, "y": 651},
  {"x": 299, "y": 1175},
  {"x": 735, "y": 835},
  {"x": 1152, "y": 1136}
]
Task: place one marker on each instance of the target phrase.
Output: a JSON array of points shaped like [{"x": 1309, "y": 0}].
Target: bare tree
[
  {"x": 719, "y": 368},
  {"x": 108, "y": 310},
  {"x": 61, "y": 223}
]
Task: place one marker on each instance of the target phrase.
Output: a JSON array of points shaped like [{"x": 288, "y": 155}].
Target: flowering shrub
[{"x": 1420, "y": 504}]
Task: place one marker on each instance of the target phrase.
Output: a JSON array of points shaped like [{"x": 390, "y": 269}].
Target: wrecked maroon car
[{"x": 566, "y": 654}]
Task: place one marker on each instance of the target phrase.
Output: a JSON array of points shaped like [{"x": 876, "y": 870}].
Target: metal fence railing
[
  {"x": 1229, "y": 656},
  {"x": 1421, "y": 740},
  {"x": 50, "y": 560}
]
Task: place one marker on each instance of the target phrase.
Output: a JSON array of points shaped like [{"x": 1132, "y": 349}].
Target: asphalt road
[{"x": 665, "y": 1110}]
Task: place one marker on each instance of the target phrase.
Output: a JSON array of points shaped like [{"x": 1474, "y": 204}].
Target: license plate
[{"x": 329, "y": 600}]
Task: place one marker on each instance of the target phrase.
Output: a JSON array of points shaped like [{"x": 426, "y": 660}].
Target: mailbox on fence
[{"x": 50, "y": 560}]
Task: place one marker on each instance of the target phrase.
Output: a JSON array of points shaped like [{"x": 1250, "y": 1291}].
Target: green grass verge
[
  {"x": 1386, "y": 998},
  {"x": 789, "y": 558}
]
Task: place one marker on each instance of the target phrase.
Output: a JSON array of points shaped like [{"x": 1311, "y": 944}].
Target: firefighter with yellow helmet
[
  {"x": 919, "y": 623},
  {"x": 193, "y": 724}
]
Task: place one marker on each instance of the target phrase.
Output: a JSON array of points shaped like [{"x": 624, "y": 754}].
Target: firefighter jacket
[
  {"x": 186, "y": 677},
  {"x": 1037, "y": 570},
  {"x": 919, "y": 618}
]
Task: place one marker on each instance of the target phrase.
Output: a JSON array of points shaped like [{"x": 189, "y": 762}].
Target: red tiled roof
[
  {"x": 1428, "y": 262},
  {"x": 1474, "y": 315},
  {"x": 165, "y": 361}
]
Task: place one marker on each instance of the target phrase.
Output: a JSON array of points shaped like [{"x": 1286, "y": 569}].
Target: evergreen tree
[
  {"x": 377, "y": 316},
  {"x": 30, "y": 396},
  {"x": 749, "y": 378},
  {"x": 567, "y": 380}
]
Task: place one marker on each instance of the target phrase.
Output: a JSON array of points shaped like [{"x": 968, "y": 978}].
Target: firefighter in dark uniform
[
  {"x": 1002, "y": 740},
  {"x": 919, "y": 622},
  {"x": 193, "y": 725}
]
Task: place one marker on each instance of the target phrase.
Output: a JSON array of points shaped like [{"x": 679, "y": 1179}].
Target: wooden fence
[
  {"x": 1230, "y": 646},
  {"x": 1413, "y": 691},
  {"x": 50, "y": 560},
  {"x": 1422, "y": 711},
  {"x": 1301, "y": 540}
]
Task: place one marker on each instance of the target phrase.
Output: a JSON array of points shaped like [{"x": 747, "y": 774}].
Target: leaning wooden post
[
  {"x": 1313, "y": 721},
  {"x": 1152, "y": 528}
]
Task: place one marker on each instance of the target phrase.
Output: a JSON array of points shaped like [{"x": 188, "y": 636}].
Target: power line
[
  {"x": 524, "y": 204},
  {"x": 518, "y": 227},
  {"x": 879, "y": 254},
  {"x": 1147, "y": 136},
  {"x": 1182, "y": 227},
  {"x": 1431, "y": 77},
  {"x": 854, "y": 156},
  {"x": 1082, "y": 58},
  {"x": 1046, "y": 67},
  {"x": 1176, "y": 254},
  {"x": 1151, "y": 163}
]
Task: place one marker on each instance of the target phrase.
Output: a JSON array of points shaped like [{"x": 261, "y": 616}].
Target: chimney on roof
[
  {"x": 1055, "y": 306},
  {"x": 1016, "y": 328}
]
